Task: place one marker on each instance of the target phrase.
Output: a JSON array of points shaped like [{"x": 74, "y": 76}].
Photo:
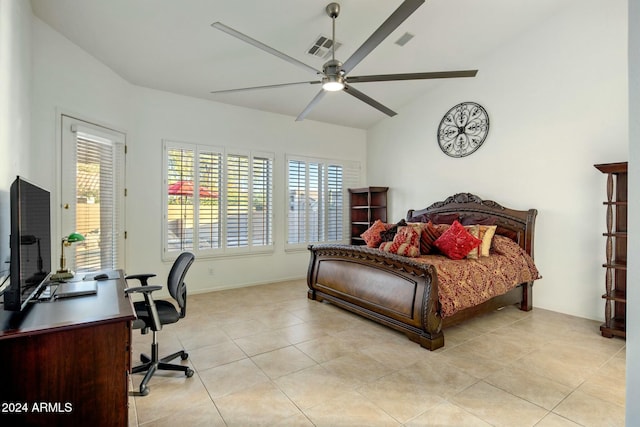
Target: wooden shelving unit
[
  {"x": 615, "y": 296},
  {"x": 366, "y": 206}
]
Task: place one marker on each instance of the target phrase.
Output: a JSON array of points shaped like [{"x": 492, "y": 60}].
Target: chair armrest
[
  {"x": 149, "y": 303},
  {"x": 144, "y": 289},
  {"x": 143, "y": 278}
]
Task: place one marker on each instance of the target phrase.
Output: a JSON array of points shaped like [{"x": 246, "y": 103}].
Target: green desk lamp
[{"x": 63, "y": 273}]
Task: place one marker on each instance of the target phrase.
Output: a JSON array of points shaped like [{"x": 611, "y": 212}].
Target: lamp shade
[{"x": 75, "y": 237}]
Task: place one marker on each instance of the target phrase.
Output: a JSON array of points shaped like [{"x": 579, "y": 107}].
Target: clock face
[{"x": 463, "y": 129}]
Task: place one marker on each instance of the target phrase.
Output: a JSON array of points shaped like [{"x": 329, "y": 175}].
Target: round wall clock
[{"x": 463, "y": 129}]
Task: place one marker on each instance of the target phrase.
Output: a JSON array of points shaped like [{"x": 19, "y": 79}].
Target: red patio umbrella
[{"x": 185, "y": 188}]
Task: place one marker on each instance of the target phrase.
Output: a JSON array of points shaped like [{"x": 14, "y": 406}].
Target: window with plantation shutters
[
  {"x": 297, "y": 212},
  {"x": 217, "y": 201},
  {"x": 237, "y": 200},
  {"x": 334, "y": 201},
  {"x": 316, "y": 191},
  {"x": 180, "y": 206},
  {"x": 262, "y": 201},
  {"x": 93, "y": 194},
  {"x": 210, "y": 180}
]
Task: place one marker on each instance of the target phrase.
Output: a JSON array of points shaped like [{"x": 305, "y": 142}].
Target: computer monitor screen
[{"x": 30, "y": 242}]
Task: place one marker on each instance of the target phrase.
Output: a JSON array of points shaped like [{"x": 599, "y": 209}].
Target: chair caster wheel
[
  {"x": 144, "y": 390},
  {"x": 189, "y": 373},
  {"x": 184, "y": 356}
]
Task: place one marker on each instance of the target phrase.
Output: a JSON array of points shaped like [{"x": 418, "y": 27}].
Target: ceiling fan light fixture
[
  {"x": 333, "y": 76},
  {"x": 333, "y": 83}
]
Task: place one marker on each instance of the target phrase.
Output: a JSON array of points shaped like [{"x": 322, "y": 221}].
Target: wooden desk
[{"x": 66, "y": 362}]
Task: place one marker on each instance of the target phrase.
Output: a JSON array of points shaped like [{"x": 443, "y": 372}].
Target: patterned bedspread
[{"x": 469, "y": 282}]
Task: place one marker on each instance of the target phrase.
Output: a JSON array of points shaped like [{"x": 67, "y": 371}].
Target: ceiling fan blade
[
  {"x": 412, "y": 76},
  {"x": 237, "y": 34},
  {"x": 402, "y": 12},
  {"x": 362, "y": 97},
  {"x": 312, "y": 104},
  {"x": 242, "y": 89}
]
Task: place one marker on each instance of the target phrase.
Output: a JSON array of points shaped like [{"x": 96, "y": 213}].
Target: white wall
[
  {"x": 67, "y": 79},
  {"x": 557, "y": 101},
  {"x": 633, "y": 260},
  {"x": 159, "y": 115},
  {"x": 70, "y": 80},
  {"x": 15, "y": 106}
]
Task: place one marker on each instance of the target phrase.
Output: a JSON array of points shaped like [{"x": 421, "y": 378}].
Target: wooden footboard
[{"x": 384, "y": 287}]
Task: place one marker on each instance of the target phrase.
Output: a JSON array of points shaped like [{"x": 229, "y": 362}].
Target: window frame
[{"x": 225, "y": 153}]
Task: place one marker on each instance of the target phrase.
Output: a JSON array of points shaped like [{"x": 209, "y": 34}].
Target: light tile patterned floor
[{"x": 267, "y": 355}]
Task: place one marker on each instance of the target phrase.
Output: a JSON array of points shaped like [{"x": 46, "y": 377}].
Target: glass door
[{"x": 92, "y": 194}]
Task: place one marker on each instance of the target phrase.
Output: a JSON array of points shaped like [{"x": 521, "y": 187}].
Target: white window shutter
[
  {"x": 227, "y": 198},
  {"x": 317, "y": 190}
]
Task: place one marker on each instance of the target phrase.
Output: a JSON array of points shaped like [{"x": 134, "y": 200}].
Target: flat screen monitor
[{"x": 30, "y": 241}]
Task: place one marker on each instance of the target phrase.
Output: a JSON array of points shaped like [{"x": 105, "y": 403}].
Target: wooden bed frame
[{"x": 403, "y": 294}]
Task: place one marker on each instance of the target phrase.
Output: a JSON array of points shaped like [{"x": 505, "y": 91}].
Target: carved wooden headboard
[{"x": 519, "y": 225}]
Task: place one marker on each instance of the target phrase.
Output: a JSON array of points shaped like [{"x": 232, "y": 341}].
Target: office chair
[{"x": 153, "y": 314}]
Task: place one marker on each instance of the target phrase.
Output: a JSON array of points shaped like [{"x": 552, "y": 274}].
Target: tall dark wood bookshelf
[
  {"x": 615, "y": 296},
  {"x": 366, "y": 206}
]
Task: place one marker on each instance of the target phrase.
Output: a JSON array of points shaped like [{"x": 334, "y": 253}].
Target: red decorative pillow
[
  {"x": 372, "y": 236},
  {"x": 456, "y": 242},
  {"x": 392, "y": 230},
  {"x": 418, "y": 227},
  {"x": 428, "y": 234},
  {"x": 405, "y": 243}
]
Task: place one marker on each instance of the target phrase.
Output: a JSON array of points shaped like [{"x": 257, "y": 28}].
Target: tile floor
[{"x": 267, "y": 355}]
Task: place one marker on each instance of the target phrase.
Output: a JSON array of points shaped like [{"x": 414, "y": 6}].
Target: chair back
[{"x": 175, "y": 281}]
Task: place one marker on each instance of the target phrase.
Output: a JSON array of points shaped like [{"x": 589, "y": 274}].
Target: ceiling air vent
[
  {"x": 321, "y": 47},
  {"x": 404, "y": 39}
]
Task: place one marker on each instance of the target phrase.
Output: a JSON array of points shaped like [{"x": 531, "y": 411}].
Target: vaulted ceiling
[{"x": 170, "y": 45}]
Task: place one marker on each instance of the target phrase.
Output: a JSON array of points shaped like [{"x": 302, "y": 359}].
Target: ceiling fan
[{"x": 334, "y": 73}]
